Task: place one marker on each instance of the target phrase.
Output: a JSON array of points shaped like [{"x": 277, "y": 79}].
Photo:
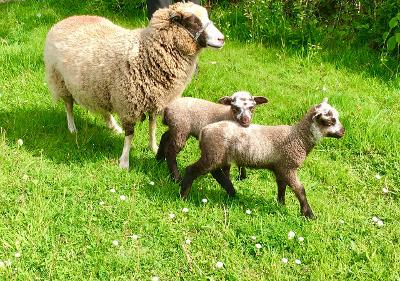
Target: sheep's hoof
[
  {"x": 124, "y": 164},
  {"x": 309, "y": 214},
  {"x": 72, "y": 129},
  {"x": 153, "y": 148}
]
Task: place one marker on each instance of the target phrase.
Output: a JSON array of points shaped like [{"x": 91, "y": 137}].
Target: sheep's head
[
  {"x": 192, "y": 26},
  {"x": 326, "y": 120},
  {"x": 242, "y": 106}
]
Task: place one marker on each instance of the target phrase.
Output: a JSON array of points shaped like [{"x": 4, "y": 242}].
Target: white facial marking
[
  {"x": 243, "y": 102},
  {"x": 215, "y": 38},
  {"x": 328, "y": 111}
]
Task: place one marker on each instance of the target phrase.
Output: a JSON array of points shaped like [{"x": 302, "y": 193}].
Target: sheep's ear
[
  {"x": 225, "y": 100},
  {"x": 260, "y": 100},
  {"x": 175, "y": 16}
]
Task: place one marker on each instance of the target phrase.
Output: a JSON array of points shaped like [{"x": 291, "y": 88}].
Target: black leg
[
  {"x": 242, "y": 173},
  {"x": 161, "y": 148},
  {"x": 222, "y": 177}
]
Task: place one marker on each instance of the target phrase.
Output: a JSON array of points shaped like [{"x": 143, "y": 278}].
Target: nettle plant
[{"x": 392, "y": 37}]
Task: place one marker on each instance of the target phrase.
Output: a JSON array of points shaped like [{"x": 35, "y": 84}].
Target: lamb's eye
[{"x": 333, "y": 121}]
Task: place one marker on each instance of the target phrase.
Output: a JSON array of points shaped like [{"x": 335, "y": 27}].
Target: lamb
[
  {"x": 106, "y": 68},
  {"x": 187, "y": 116},
  {"x": 281, "y": 149}
]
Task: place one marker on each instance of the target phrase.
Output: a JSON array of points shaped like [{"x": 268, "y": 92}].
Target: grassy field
[{"x": 60, "y": 220}]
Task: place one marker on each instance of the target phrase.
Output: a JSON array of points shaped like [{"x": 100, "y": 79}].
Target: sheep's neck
[{"x": 306, "y": 138}]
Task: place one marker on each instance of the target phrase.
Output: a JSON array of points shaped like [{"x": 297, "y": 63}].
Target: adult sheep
[{"x": 106, "y": 68}]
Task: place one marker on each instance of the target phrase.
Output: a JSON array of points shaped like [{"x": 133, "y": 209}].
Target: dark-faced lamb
[
  {"x": 106, "y": 68},
  {"x": 281, "y": 149},
  {"x": 187, "y": 116}
]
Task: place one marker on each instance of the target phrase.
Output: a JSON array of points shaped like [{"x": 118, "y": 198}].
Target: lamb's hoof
[
  {"x": 309, "y": 215},
  {"x": 72, "y": 129},
  {"x": 176, "y": 179}
]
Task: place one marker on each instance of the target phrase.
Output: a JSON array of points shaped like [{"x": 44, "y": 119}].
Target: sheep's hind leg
[
  {"x": 111, "y": 123},
  {"x": 69, "y": 105},
  {"x": 124, "y": 159},
  {"x": 174, "y": 145},
  {"x": 222, "y": 177},
  {"x": 152, "y": 132},
  {"x": 161, "y": 148},
  {"x": 192, "y": 172}
]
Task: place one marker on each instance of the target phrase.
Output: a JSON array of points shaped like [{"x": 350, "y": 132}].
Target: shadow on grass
[{"x": 44, "y": 133}]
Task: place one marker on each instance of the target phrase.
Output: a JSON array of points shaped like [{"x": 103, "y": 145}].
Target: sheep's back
[{"x": 86, "y": 51}]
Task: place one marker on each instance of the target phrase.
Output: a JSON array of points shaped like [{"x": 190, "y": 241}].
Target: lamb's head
[
  {"x": 325, "y": 121},
  {"x": 242, "y": 106},
  {"x": 191, "y": 26}
]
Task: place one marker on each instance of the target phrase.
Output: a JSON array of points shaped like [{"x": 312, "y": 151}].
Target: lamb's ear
[
  {"x": 225, "y": 100},
  {"x": 260, "y": 100},
  {"x": 175, "y": 16}
]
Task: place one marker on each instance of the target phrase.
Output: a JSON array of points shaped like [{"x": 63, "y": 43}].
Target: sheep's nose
[{"x": 221, "y": 39}]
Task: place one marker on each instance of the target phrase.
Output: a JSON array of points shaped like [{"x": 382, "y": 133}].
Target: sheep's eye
[
  {"x": 235, "y": 108},
  {"x": 333, "y": 121}
]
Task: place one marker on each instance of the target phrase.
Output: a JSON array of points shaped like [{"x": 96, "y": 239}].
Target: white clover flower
[
  {"x": 258, "y": 246},
  {"x": 25, "y": 177},
  {"x": 122, "y": 197},
  {"x": 219, "y": 264},
  {"x": 185, "y": 210},
  {"x": 385, "y": 190},
  {"x": 8, "y": 263},
  {"x": 134, "y": 237},
  {"x": 378, "y": 176},
  {"x": 188, "y": 241},
  {"x": 17, "y": 255},
  {"x": 254, "y": 238},
  {"x": 284, "y": 260},
  {"x": 115, "y": 242},
  {"x": 152, "y": 183},
  {"x": 324, "y": 89},
  {"x": 154, "y": 278},
  {"x": 2, "y": 264},
  {"x": 112, "y": 190},
  {"x": 341, "y": 221},
  {"x": 375, "y": 219},
  {"x": 39, "y": 15},
  {"x": 297, "y": 261},
  {"x": 380, "y": 223},
  {"x": 291, "y": 235},
  {"x": 301, "y": 239},
  {"x": 20, "y": 142},
  {"x": 248, "y": 212},
  {"x": 101, "y": 203},
  {"x": 171, "y": 216},
  {"x": 204, "y": 200}
]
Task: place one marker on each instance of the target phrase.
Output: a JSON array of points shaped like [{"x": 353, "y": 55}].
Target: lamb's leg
[
  {"x": 161, "y": 148},
  {"x": 152, "y": 132},
  {"x": 174, "y": 145},
  {"x": 111, "y": 123},
  {"x": 293, "y": 181},
  {"x": 281, "y": 183},
  {"x": 242, "y": 173},
  {"x": 222, "y": 177},
  {"x": 192, "y": 172},
  {"x": 129, "y": 131},
  {"x": 69, "y": 105}
]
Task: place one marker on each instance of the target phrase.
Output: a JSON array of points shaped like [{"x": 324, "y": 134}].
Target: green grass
[{"x": 51, "y": 187}]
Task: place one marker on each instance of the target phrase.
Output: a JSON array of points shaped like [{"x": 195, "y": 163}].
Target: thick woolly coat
[{"x": 107, "y": 68}]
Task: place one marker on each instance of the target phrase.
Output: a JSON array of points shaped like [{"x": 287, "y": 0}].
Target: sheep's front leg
[
  {"x": 298, "y": 189},
  {"x": 223, "y": 178},
  {"x": 152, "y": 132},
  {"x": 281, "y": 189},
  {"x": 242, "y": 173},
  {"x": 124, "y": 159}
]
